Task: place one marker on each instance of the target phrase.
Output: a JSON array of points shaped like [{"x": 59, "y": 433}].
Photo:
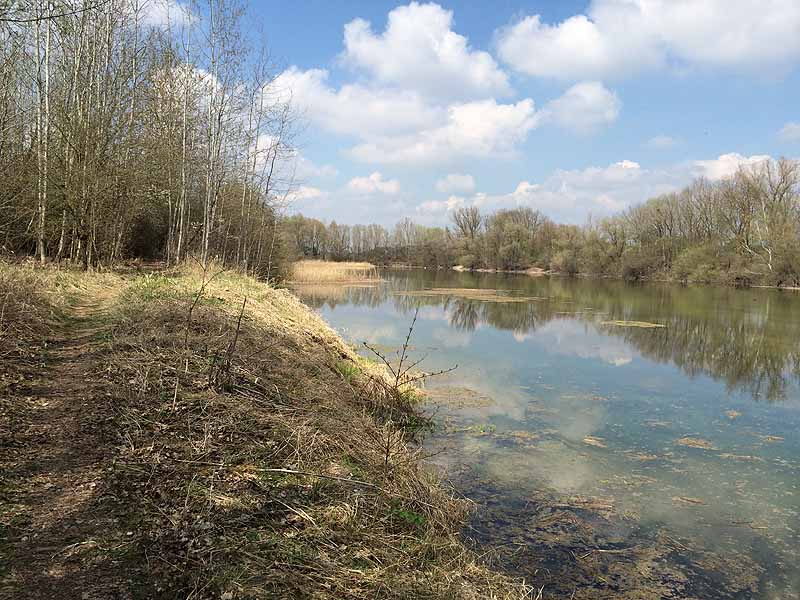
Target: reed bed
[{"x": 323, "y": 271}]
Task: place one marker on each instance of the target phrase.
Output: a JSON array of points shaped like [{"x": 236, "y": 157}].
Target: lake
[{"x": 619, "y": 440}]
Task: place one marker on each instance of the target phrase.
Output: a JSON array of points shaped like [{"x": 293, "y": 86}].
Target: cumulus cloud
[
  {"x": 790, "y": 132},
  {"x": 398, "y": 126},
  {"x": 419, "y": 51},
  {"x": 422, "y": 94},
  {"x": 726, "y": 165},
  {"x": 571, "y": 195},
  {"x": 585, "y": 107},
  {"x": 373, "y": 184},
  {"x": 306, "y": 192},
  {"x": 473, "y": 129},
  {"x": 456, "y": 182},
  {"x": 661, "y": 142},
  {"x": 433, "y": 207},
  {"x": 618, "y": 37},
  {"x": 355, "y": 109}
]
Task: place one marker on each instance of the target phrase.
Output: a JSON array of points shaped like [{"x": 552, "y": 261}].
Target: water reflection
[
  {"x": 610, "y": 461},
  {"x": 750, "y": 339}
]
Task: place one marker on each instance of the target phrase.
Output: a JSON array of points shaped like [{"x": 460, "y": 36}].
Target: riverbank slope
[{"x": 201, "y": 435}]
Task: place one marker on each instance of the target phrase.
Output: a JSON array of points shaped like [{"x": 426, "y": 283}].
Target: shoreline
[{"x": 539, "y": 272}]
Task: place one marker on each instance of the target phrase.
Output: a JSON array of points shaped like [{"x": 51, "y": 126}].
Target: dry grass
[
  {"x": 32, "y": 300},
  {"x": 260, "y": 457},
  {"x": 255, "y": 455},
  {"x": 321, "y": 271}
]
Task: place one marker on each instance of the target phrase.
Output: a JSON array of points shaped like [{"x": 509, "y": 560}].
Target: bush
[
  {"x": 565, "y": 261},
  {"x": 468, "y": 261},
  {"x": 639, "y": 263},
  {"x": 698, "y": 264}
]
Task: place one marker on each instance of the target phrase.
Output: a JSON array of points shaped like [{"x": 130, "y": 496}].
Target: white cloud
[
  {"x": 420, "y": 51},
  {"x": 726, "y": 165},
  {"x": 618, "y": 37},
  {"x": 790, "y": 132},
  {"x": 355, "y": 109},
  {"x": 456, "y": 182},
  {"x": 399, "y": 127},
  {"x": 585, "y": 107},
  {"x": 661, "y": 142},
  {"x": 308, "y": 169},
  {"x": 163, "y": 13},
  {"x": 306, "y": 192},
  {"x": 373, "y": 184},
  {"x": 570, "y": 196},
  {"x": 481, "y": 128},
  {"x": 441, "y": 206}
]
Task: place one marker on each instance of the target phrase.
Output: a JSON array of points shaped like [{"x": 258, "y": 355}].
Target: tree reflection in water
[{"x": 750, "y": 339}]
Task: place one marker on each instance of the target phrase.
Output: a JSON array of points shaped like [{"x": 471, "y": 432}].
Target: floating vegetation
[
  {"x": 659, "y": 424},
  {"x": 457, "y": 397},
  {"x": 688, "y": 501},
  {"x": 479, "y": 429},
  {"x": 695, "y": 443},
  {"x": 597, "y": 442},
  {"x": 479, "y": 295},
  {"x": 741, "y": 457},
  {"x": 521, "y": 435},
  {"x": 583, "y": 398},
  {"x": 643, "y": 457},
  {"x": 640, "y": 324}
]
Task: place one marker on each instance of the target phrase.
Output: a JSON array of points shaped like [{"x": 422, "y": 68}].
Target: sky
[{"x": 578, "y": 109}]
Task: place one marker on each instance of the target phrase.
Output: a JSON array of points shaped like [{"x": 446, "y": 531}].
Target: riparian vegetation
[{"x": 740, "y": 230}]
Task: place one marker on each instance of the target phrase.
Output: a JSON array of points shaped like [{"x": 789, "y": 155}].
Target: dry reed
[{"x": 321, "y": 271}]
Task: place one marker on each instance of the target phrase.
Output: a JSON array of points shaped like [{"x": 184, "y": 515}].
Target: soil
[{"x": 58, "y": 533}]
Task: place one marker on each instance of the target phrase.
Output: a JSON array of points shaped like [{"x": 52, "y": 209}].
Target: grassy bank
[
  {"x": 247, "y": 452},
  {"x": 323, "y": 271}
]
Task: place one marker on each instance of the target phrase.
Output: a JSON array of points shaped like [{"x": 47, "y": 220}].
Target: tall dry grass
[{"x": 323, "y": 271}]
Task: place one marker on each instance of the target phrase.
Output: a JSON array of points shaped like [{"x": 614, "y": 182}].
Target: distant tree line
[
  {"x": 741, "y": 230},
  {"x": 125, "y": 137}
]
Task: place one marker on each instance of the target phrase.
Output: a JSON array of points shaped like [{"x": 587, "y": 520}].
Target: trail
[{"x": 61, "y": 534}]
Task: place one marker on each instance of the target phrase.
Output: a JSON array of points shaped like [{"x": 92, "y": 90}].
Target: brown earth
[{"x": 58, "y": 534}]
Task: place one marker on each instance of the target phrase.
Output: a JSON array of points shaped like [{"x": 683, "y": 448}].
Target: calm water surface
[{"x": 608, "y": 460}]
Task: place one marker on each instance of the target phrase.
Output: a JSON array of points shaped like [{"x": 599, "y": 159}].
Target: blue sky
[{"x": 574, "y": 108}]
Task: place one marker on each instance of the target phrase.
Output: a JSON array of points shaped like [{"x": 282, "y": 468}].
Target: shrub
[
  {"x": 699, "y": 264},
  {"x": 468, "y": 261}
]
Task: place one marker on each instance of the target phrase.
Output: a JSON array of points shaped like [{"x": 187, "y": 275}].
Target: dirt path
[{"x": 59, "y": 534}]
